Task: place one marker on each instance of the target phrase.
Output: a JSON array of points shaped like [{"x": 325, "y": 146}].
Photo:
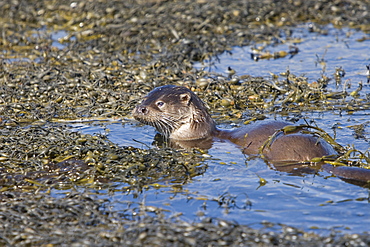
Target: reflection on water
[
  {"x": 57, "y": 36},
  {"x": 318, "y": 54},
  {"x": 231, "y": 187}
]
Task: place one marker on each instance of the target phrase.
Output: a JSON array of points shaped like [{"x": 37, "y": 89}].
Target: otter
[{"x": 180, "y": 115}]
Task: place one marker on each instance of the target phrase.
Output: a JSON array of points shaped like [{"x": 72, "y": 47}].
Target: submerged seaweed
[
  {"x": 44, "y": 157},
  {"x": 111, "y": 54}
]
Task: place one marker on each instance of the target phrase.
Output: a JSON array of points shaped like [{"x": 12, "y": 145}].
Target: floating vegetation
[
  {"x": 78, "y": 219},
  {"x": 131, "y": 56},
  {"x": 45, "y": 157},
  {"x": 305, "y": 129},
  {"x": 110, "y": 55}
]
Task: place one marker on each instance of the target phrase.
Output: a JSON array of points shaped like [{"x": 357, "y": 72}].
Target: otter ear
[{"x": 185, "y": 98}]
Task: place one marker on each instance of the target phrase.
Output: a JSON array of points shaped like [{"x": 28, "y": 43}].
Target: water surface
[{"x": 230, "y": 188}]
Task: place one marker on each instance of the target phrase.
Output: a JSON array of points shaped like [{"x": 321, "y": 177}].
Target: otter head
[{"x": 176, "y": 112}]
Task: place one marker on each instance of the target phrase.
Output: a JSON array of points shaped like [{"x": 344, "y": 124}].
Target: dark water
[{"x": 311, "y": 202}]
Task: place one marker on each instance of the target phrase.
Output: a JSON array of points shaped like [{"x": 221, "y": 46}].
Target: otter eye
[{"x": 160, "y": 104}]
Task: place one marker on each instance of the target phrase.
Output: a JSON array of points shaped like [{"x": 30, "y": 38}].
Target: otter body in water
[{"x": 181, "y": 116}]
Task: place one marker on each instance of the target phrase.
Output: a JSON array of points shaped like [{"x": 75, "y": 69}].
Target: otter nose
[{"x": 142, "y": 109}]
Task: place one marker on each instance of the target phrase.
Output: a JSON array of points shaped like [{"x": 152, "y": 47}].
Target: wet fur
[{"x": 181, "y": 116}]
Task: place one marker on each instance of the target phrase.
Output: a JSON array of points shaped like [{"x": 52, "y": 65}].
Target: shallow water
[
  {"x": 318, "y": 54},
  {"x": 308, "y": 202},
  {"x": 315, "y": 202}
]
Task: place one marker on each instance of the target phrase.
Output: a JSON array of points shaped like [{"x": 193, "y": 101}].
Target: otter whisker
[
  {"x": 163, "y": 126},
  {"x": 170, "y": 122},
  {"x": 180, "y": 115}
]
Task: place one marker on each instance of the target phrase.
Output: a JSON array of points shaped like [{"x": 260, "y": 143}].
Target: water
[
  {"x": 318, "y": 54},
  {"x": 55, "y": 36},
  {"x": 307, "y": 202},
  {"x": 312, "y": 202}
]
